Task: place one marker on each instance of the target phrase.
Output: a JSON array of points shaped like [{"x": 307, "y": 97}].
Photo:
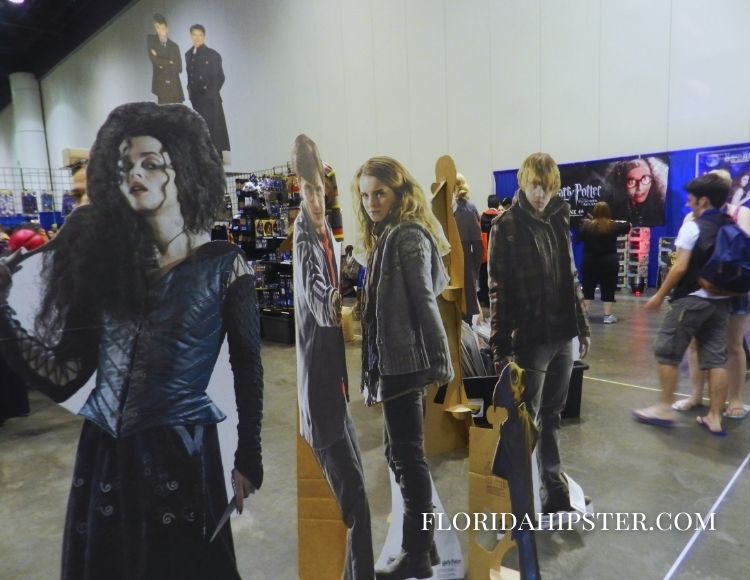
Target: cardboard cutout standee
[
  {"x": 512, "y": 461},
  {"x": 134, "y": 292},
  {"x": 404, "y": 346},
  {"x": 322, "y": 382}
]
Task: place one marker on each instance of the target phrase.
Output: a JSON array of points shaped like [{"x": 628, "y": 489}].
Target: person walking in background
[
  {"x": 485, "y": 225},
  {"x": 166, "y": 61},
  {"x": 467, "y": 219},
  {"x": 739, "y": 314},
  {"x": 600, "y": 263},
  {"x": 536, "y": 308},
  {"x": 205, "y": 77},
  {"x": 404, "y": 343},
  {"x": 694, "y": 313}
]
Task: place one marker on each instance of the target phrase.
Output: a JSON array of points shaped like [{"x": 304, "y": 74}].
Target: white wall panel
[
  {"x": 390, "y": 72},
  {"x": 467, "y": 40},
  {"x": 428, "y": 107},
  {"x": 6, "y": 137},
  {"x": 634, "y": 85},
  {"x": 488, "y": 81},
  {"x": 514, "y": 85},
  {"x": 569, "y": 85},
  {"x": 709, "y": 97}
]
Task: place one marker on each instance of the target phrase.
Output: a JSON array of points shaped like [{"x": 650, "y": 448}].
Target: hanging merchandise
[
  {"x": 29, "y": 204},
  {"x": 265, "y": 213}
]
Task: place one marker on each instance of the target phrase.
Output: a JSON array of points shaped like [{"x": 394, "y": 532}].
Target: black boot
[
  {"x": 406, "y": 566},
  {"x": 434, "y": 556}
]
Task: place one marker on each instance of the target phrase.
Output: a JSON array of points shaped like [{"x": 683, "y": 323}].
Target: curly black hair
[{"x": 103, "y": 253}]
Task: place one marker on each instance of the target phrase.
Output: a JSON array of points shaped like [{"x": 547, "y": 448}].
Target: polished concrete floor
[{"x": 624, "y": 466}]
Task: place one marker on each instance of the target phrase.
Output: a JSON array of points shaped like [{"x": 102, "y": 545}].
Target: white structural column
[{"x": 30, "y": 150}]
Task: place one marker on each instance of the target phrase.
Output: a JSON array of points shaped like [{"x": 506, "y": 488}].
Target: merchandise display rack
[
  {"x": 34, "y": 195},
  {"x": 639, "y": 243},
  {"x": 263, "y": 207}
]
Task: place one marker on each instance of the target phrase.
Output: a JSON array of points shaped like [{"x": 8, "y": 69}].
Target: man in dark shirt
[
  {"x": 485, "y": 224},
  {"x": 167, "y": 64},
  {"x": 205, "y": 79}
]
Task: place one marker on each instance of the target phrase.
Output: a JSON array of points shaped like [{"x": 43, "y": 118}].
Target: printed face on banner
[
  {"x": 377, "y": 199},
  {"x": 161, "y": 31},
  {"x": 198, "y": 37},
  {"x": 146, "y": 175},
  {"x": 634, "y": 188},
  {"x": 314, "y": 199},
  {"x": 736, "y": 161}
]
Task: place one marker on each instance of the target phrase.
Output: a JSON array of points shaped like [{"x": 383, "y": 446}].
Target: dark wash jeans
[
  {"x": 342, "y": 464},
  {"x": 404, "y": 451},
  {"x": 548, "y": 367}
]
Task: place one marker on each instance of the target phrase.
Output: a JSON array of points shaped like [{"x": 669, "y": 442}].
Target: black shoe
[
  {"x": 434, "y": 556},
  {"x": 561, "y": 506},
  {"x": 406, "y": 566}
]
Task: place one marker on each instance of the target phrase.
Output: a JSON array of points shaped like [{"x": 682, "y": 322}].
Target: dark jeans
[
  {"x": 545, "y": 395},
  {"x": 484, "y": 290},
  {"x": 342, "y": 464},
  {"x": 404, "y": 451}
]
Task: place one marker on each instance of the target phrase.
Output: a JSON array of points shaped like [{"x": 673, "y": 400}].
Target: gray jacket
[{"x": 410, "y": 333}]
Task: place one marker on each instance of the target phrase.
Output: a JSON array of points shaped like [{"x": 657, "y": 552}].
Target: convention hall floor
[{"x": 622, "y": 465}]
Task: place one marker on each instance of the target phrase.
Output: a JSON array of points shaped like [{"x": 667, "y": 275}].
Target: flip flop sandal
[
  {"x": 685, "y": 405},
  {"x": 651, "y": 420},
  {"x": 735, "y": 413},
  {"x": 703, "y": 423}
]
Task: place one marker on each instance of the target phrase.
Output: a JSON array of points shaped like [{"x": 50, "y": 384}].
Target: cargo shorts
[{"x": 693, "y": 317}]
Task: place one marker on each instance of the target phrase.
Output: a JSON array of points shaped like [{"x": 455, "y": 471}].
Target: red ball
[{"x": 25, "y": 238}]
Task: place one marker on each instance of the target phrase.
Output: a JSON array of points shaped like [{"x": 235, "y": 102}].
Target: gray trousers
[
  {"x": 342, "y": 464},
  {"x": 548, "y": 367}
]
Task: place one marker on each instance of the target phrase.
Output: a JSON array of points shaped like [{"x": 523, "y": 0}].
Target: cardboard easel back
[
  {"x": 442, "y": 207},
  {"x": 321, "y": 532},
  {"x": 488, "y": 494},
  {"x": 446, "y": 424}
]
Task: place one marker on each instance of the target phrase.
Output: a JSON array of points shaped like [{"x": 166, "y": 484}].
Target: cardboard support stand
[
  {"x": 488, "y": 494},
  {"x": 446, "y": 422},
  {"x": 321, "y": 531}
]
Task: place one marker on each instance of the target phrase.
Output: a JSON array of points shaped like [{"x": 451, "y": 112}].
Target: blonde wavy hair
[
  {"x": 411, "y": 203},
  {"x": 462, "y": 188}
]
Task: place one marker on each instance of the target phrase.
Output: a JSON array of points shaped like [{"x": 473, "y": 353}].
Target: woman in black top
[{"x": 600, "y": 263}]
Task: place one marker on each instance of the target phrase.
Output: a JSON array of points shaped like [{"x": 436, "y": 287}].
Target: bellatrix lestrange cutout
[{"x": 135, "y": 292}]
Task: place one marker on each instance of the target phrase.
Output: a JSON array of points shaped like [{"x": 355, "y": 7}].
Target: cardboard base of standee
[
  {"x": 446, "y": 431},
  {"x": 443, "y": 432},
  {"x": 451, "y": 566},
  {"x": 488, "y": 494},
  {"x": 321, "y": 531}
]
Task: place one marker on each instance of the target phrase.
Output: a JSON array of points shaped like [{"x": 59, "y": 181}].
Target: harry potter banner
[{"x": 635, "y": 189}]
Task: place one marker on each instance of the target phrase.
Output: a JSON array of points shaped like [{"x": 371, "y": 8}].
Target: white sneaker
[{"x": 610, "y": 319}]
